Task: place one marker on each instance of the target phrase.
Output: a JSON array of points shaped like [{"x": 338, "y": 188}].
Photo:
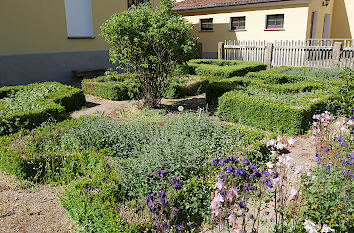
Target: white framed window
[{"x": 79, "y": 20}]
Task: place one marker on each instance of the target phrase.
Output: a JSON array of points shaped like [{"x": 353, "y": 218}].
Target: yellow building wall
[
  {"x": 316, "y": 6},
  {"x": 343, "y": 20},
  {"x": 39, "y": 26},
  {"x": 295, "y": 25}
]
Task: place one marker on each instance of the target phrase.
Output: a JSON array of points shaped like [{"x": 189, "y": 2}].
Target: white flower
[
  {"x": 270, "y": 165},
  {"x": 271, "y": 142},
  {"x": 274, "y": 153},
  {"x": 313, "y": 177},
  {"x": 350, "y": 122},
  {"x": 289, "y": 162},
  {"x": 298, "y": 170},
  {"x": 180, "y": 108},
  {"x": 293, "y": 193},
  {"x": 280, "y": 146},
  {"x": 326, "y": 229},
  {"x": 310, "y": 227},
  {"x": 291, "y": 141},
  {"x": 276, "y": 181}
]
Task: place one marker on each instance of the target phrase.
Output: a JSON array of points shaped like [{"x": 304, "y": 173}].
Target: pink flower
[
  {"x": 310, "y": 227},
  {"x": 232, "y": 218},
  {"x": 232, "y": 193},
  {"x": 216, "y": 213},
  {"x": 219, "y": 185},
  {"x": 316, "y": 117},
  {"x": 215, "y": 205},
  {"x": 218, "y": 197},
  {"x": 271, "y": 142}
]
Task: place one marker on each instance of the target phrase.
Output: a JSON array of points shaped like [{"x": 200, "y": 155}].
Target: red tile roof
[{"x": 198, "y": 4}]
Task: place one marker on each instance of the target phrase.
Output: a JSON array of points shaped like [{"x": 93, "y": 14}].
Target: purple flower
[
  {"x": 253, "y": 167},
  {"x": 350, "y": 162},
  {"x": 318, "y": 159},
  {"x": 251, "y": 216},
  {"x": 343, "y": 160},
  {"x": 230, "y": 169},
  {"x": 176, "y": 184},
  {"x": 266, "y": 172},
  {"x": 232, "y": 159},
  {"x": 328, "y": 167},
  {"x": 241, "y": 204},
  {"x": 266, "y": 213},
  {"x": 215, "y": 162},
  {"x": 164, "y": 226},
  {"x": 326, "y": 149},
  {"x": 344, "y": 143},
  {"x": 248, "y": 187},
  {"x": 151, "y": 175},
  {"x": 179, "y": 227},
  {"x": 345, "y": 171},
  {"x": 275, "y": 175},
  {"x": 268, "y": 182},
  {"x": 161, "y": 173},
  {"x": 245, "y": 161},
  {"x": 339, "y": 139},
  {"x": 222, "y": 176},
  {"x": 223, "y": 193}
]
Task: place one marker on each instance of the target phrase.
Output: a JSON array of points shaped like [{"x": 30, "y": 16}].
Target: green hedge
[
  {"x": 289, "y": 113},
  {"x": 44, "y": 101},
  {"x": 120, "y": 87},
  {"x": 223, "y": 68},
  {"x": 125, "y": 87},
  {"x": 216, "y": 89}
]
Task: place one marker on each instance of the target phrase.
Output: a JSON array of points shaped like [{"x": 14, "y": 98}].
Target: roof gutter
[{"x": 225, "y": 4}]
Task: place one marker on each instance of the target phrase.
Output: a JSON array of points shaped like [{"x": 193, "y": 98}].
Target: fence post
[
  {"x": 269, "y": 55},
  {"x": 337, "y": 48},
  {"x": 221, "y": 50}
]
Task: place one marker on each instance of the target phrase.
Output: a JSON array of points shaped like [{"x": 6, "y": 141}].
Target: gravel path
[{"x": 31, "y": 211}]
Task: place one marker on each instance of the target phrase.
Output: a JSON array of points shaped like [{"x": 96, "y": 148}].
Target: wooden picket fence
[{"x": 310, "y": 53}]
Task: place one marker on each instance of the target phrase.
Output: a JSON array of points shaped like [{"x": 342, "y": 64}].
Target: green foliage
[
  {"x": 117, "y": 87},
  {"x": 182, "y": 146},
  {"x": 151, "y": 43},
  {"x": 326, "y": 73},
  {"x": 291, "y": 113},
  {"x": 126, "y": 87},
  {"x": 346, "y": 93},
  {"x": 29, "y": 106},
  {"x": 38, "y": 156},
  {"x": 91, "y": 202},
  {"x": 329, "y": 198},
  {"x": 223, "y": 68}
]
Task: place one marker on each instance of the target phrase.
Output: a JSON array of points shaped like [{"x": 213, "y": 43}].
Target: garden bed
[
  {"x": 290, "y": 113},
  {"x": 29, "y": 106},
  {"x": 223, "y": 68},
  {"x": 111, "y": 163},
  {"x": 125, "y": 87}
]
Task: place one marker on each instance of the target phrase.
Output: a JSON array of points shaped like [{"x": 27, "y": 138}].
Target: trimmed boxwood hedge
[
  {"x": 223, "y": 68},
  {"x": 277, "y": 112},
  {"x": 118, "y": 87},
  {"x": 54, "y": 105},
  {"x": 125, "y": 87}
]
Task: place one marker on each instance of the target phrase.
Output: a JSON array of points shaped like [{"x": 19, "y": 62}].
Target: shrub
[
  {"x": 29, "y": 106},
  {"x": 152, "y": 43},
  {"x": 118, "y": 87},
  {"x": 38, "y": 156},
  {"x": 92, "y": 203},
  {"x": 223, "y": 68},
  {"x": 125, "y": 87},
  {"x": 289, "y": 113},
  {"x": 182, "y": 146},
  {"x": 326, "y": 73}
]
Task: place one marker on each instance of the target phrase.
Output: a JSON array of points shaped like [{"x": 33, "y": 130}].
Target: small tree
[{"x": 151, "y": 43}]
